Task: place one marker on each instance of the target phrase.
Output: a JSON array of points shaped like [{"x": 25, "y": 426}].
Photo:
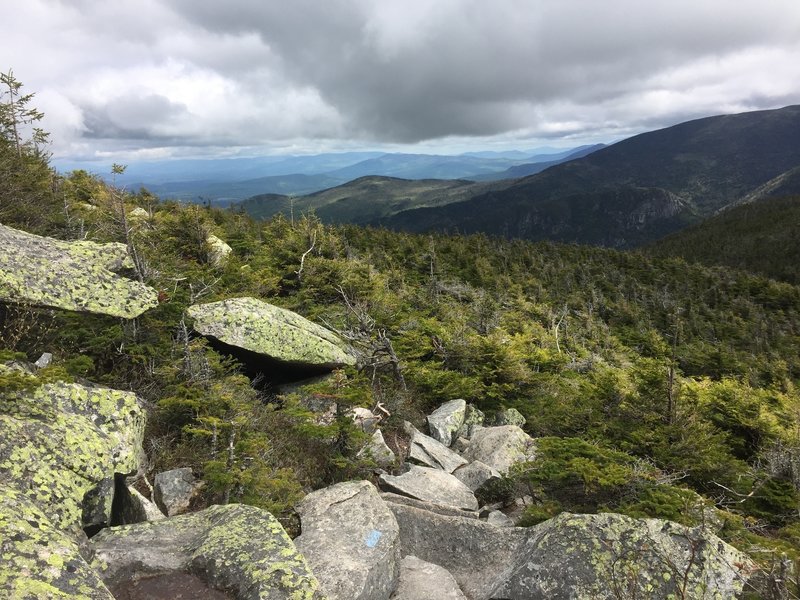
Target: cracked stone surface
[{"x": 77, "y": 276}]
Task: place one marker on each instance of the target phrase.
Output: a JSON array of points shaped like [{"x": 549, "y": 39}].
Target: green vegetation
[
  {"x": 654, "y": 385},
  {"x": 761, "y": 237}
]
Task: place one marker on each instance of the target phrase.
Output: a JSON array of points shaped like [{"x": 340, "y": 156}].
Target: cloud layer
[{"x": 158, "y": 78}]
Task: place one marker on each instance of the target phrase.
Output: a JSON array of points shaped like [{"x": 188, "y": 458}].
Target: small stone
[
  {"x": 475, "y": 474},
  {"x": 420, "y": 580},
  {"x": 377, "y": 450},
  {"x": 510, "y": 416},
  {"x": 499, "y": 519},
  {"x": 174, "y": 490},
  {"x": 431, "y": 485},
  {"x": 446, "y": 420},
  {"x": 44, "y": 360}
]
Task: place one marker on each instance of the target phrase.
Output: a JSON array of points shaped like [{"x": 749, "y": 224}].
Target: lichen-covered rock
[
  {"x": 473, "y": 420},
  {"x": 428, "y": 452},
  {"x": 174, "y": 490},
  {"x": 377, "y": 450},
  {"x": 71, "y": 275},
  {"x": 271, "y": 331},
  {"x": 475, "y": 474},
  {"x": 420, "y": 580},
  {"x": 218, "y": 250},
  {"x": 610, "y": 556},
  {"x": 501, "y": 447},
  {"x": 478, "y": 555},
  {"x": 350, "y": 539},
  {"x": 63, "y": 442},
  {"x": 236, "y": 547},
  {"x": 431, "y": 485},
  {"x": 509, "y": 416},
  {"x": 38, "y": 561},
  {"x": 445, "y": 421}
]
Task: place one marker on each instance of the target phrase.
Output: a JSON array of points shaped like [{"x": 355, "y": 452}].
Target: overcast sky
[{"x": 144, "y": 79}]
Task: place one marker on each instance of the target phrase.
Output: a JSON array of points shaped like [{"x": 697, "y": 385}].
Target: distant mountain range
[
  {"x": 636, "y": 190},
  {"x": 226, "y": 181}
]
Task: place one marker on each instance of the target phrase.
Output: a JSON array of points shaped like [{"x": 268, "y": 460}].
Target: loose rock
[
  {"x": 475, "y": 474},
  {"x": 501, "y": 447},
  {"x": 78, "y": 276},
  {"x": 420, "y": 580},
  {"x": 377, "y": 450},
  {"x": 235, "y": 547},
  {"x": 431, "y": 485},
  {"x": 351, "y": 540},
  {"x": 428, "y": 452},
  {"x": 269, "y": 330},
  {"x": 173, "y": 491},
  {"x": 446, "y": 420}
]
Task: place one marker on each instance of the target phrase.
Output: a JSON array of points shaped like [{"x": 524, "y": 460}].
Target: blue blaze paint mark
[{"x": 373, "y": 538}]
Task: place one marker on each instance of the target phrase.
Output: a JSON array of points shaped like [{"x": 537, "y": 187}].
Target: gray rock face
[
  {"x": 609, "y": 556},
  {"x": 509, "y": 416},
  {"x": 76, "y": 276},
  {"x": 428, "y": 452},
  {"x": 173, "y": 491},
  {"x": 499, "y": 519},
  {"x": 431, "y": 485},
  {"x": 269, "y": 330},
  {"x": 420, "y": 580},
  {"x": 475, "y": 474},
  {"x": 473, "y": 420},
  {"x": 236, "y": 547},
  {"x": 446, "y": 420},
  {"x": 377, "y": 450},
  {"x": 501, "y": 447},
  {"x": 135, "y": 508},
  {"x": 351, "y": 540},
  {"x": 478, "y": 555},
  {"x": 439, "y": 509}
]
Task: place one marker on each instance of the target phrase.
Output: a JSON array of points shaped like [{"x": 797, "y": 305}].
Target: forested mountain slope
[
  {"x": 762, "y": 237},
  {"x": 636, "y": 190}
]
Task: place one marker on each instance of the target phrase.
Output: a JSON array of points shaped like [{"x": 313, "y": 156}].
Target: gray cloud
[{"x": 306, "y": 73}]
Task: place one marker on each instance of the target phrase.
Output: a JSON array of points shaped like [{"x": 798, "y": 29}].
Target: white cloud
[{"x": 164, "y": 77}]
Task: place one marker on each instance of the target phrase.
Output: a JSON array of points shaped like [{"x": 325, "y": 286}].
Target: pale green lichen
[
  {"x": 36, "y": 560},
  {"x": 270, "y": 330},
  {"x": 233, "y": 547},
  {"x": 62, "y": 440},
  {"x": 76, "y": 276},
  {"x": 612, "y": 555}
]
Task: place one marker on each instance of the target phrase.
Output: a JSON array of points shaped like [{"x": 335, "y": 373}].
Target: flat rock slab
[
  {"x": 501, "y": 447},
  {"x": 420, "y": 580},
  {"x": 431, "y": 485},
  {"x": 445, "y": 421},
  {"x": 608, "y": 556},
  {"x": 428, "y": 452},
  {"x": 439, "y": 509},
  {"x": 37, "y": 560},
  {"x": 271, "y": 331},
  {"x": 478, "y": 555},
  {"x": 351, "y": 540},
  {"x": 76, "y": 276},
  {"x": 232, "y": 547},
  {"x": 475, "y": 474},
  {"x": 62, "y": 443}
]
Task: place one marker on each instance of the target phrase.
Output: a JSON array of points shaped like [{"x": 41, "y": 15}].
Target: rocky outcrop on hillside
[
  {"x": 271, "y": 331},
  {"x": 234, "y": 547},
  {"x": 79, "y": 276},
  {"x": 62, "y": 445}
]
